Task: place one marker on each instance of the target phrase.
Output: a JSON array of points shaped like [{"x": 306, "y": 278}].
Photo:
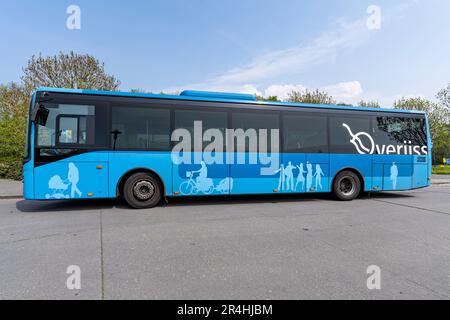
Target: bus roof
[{"x": 207, "y": 96}]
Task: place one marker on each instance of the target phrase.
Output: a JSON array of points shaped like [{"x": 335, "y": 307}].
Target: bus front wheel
[
  {"x": 346, "y": 186},
  {"x": 142, "y": 190}
]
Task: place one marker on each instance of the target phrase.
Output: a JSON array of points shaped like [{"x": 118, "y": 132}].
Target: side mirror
[{"x": 40, "y": 115}]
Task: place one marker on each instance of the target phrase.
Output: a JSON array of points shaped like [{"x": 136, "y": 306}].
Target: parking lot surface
[{"x": 264, "y": 247}]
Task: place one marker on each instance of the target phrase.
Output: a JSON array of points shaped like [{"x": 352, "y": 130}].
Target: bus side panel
[
  {"x": 377, "y": 177},
  {"x": 397, "y": 171},
  {"x": 79, "y": 177},
  {"x": 298, "y": 160},
  {"x": 122, "y": 162},
  {"x": 248, "y": 178},
  {"x": 420, "y": 174},
  {"x": 430, "y": 152},
  {"x": 360, "y": 162},
  {"x": 28, "y": 171},
  {"x": 310, "y": 173},
  {"x": 28, "y": 181},
  {"x": 192, "y": 178},
  {"x": 320, "y": 164}
]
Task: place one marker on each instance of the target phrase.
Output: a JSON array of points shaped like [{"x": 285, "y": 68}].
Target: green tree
[
  {"x": 63, "y": 70},
  {"x": 369, "y": 104},
  {"x": 269, "y": 98},
  {"x": 438, "y": 119},
  {"x": 138, "y": 91},
  {"x": 14, "y": 104},
  {"x": 313, "y": 97}
]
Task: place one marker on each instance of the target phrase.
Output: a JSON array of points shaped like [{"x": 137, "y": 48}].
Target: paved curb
[
  {"x": 11, "y": 189},
  {"x": 11, "y": 197}
]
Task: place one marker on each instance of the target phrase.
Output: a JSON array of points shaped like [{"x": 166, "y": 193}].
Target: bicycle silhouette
[{"x": 203, "y": 185}]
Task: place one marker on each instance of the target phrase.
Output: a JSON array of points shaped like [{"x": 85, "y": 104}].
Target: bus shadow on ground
[
  {"x": 99, "y": 204},
  {"x": 272, "y": 198},
  {"x": 69, "y": 205}
]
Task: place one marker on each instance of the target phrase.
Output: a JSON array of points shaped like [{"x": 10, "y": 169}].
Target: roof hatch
[{"x": 218, "y": 95}]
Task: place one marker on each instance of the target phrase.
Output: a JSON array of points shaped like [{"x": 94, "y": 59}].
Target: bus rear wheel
[
  {"x": 346, "y": 186},
  {"x": 142, "y": 190}
]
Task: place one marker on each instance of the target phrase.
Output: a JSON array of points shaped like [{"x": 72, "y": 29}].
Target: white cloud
[
  {"x": 290, "y": 61},
  {"x": 296, "y": 59},
  {"x": 254, "y": 76},
  {"x": 344, "y": 90}
]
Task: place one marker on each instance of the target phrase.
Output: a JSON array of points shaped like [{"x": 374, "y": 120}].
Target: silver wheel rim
[
  {"x": 143, "y": 190},
  {"x": 347, "y": 186}
]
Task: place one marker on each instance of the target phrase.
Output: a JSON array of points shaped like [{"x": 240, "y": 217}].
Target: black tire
[
  {"x": 142, "y": 190},
  {"x": 346, "y": 186}
]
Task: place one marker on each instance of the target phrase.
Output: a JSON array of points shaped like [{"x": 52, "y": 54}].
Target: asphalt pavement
[{"x": 264, "y": 247}]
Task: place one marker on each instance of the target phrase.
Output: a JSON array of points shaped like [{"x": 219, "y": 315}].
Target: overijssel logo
[
  {"x": 365, "y": 144},
  {"x": 358, "y": 143}
]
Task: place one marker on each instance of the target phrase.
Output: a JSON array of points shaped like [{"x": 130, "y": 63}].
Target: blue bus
[{"x": 85, "y": 144}]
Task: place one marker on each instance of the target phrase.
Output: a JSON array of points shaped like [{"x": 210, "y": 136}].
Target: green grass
[{"x": 441, "y": 169}]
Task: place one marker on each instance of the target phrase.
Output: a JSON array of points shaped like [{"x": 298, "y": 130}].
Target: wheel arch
[
  {"x": 129, "y": 173},
  {"x": 355, "y": 171}
]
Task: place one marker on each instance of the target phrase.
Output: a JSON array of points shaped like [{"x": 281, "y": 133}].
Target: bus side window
[
  {"x": 343, "y": 128},
  {"x": 305, "y": 133},
  {"x": 140, "y": 127}
]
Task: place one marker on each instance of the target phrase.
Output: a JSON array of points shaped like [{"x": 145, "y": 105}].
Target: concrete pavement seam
[
  {"x": 413, "y": 207},
  {"x": 45, "y": 236},
  {"x": 102, "y": 276}
]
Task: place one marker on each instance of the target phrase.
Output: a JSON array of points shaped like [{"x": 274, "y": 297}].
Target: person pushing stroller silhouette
[{"x": 74, "y": 177}]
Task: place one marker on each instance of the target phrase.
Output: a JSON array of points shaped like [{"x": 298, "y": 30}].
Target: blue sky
[{"x": 258, "y": 46}]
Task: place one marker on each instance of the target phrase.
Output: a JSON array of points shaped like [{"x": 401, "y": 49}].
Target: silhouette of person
[
  {"x": 394, "y": 175},
  {"x": 74, "y": 177},
  {"x": 281, "y": 179},
  {"x": 202, "y": 173},
  {"x": 300, "y": 177},
  {"x": 289, "y": 172},
  {"x": 309, "y": 176},
  {"x": 319, "y": 174}
]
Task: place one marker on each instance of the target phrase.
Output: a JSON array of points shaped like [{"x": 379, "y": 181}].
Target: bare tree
[
  {"x": 444, "y": 97},
  {"x": 70, "y": 70},
  {"x": 313, "y": 97},
  {"x": 369, "y": 104}
]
